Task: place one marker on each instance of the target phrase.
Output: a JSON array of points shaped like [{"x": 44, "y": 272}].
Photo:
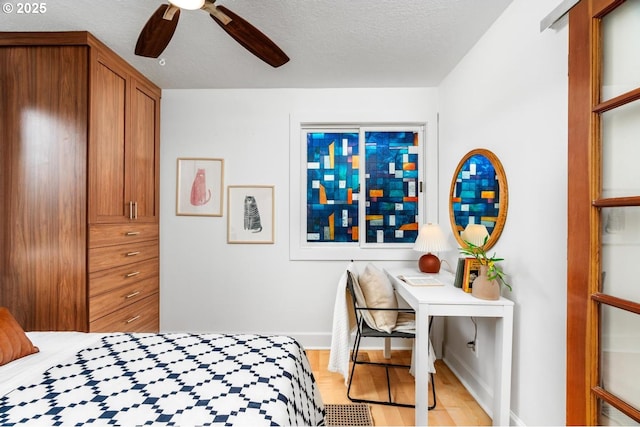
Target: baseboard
[
  {"x": 322, "y": 341},
  {"x": 480, "y": 390},
  {"x": 515, "y": 421},
  {"x": 313, "y": 341}
]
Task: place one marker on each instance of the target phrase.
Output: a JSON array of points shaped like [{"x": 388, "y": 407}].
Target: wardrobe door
[
  {"x": 144, "y": 152},
  {"x": 43, "y": 117},
  {"x": 109, "y": 198}
]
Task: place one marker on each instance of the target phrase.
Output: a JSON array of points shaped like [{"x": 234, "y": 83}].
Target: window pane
[
  {"x": 391, "y": 160},
  {"x": 332, "y": 187},
  {"x": 620, "y": 151},
  {"x": 621, "y": 40},
  {"x": 610, "y": 416},
  {"x": 620, "y": 353},
  {"x": 620, "y": 252}
]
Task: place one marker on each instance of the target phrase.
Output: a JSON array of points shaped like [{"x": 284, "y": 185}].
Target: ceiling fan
[{"x": 159, "y": 29}]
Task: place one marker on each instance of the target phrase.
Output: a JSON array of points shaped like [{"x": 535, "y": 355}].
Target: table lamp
[
  {"x": 475, "y": 234},
  {"x": 430, "y": 239}
]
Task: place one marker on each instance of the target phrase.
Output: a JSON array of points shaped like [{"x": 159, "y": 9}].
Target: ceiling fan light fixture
[
  {"x": 188, "y": 4},
  {"x": 157, "y": 32}
]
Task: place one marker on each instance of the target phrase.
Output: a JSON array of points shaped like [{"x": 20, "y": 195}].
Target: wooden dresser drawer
[
  {"x": 120, "y": 255},
  {"x": 106, "y": 303},
  {"x": 142, "y": 316},
  {"x": 110, "y": 279},
  {"x": 118, "y": 234}
]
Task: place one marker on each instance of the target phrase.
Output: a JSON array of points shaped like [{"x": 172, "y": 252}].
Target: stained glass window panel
[
  {"x": 332, "y": 186},
  {"x": 391, "y": 162}
]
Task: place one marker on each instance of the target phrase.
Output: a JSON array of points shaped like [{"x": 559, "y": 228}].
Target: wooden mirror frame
[{"x": 489, "y": 215}]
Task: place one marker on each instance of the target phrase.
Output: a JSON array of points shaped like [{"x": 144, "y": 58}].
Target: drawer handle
[
  {"x": 133, "y": 253},
  {"x": 131, "y": 233},
  {"x": 133, "y": 319},
  {"x": 136, "y": 293},
  {"x": 135, "y": 273}
]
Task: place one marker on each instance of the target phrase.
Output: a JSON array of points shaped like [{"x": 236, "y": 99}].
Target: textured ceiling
[{"x": 331, "y": 43}]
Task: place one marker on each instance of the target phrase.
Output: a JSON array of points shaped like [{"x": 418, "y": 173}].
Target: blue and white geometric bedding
[{"x": 173, "y": 379}]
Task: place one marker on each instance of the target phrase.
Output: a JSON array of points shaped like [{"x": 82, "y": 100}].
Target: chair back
[{"x": 354, "y": 302}]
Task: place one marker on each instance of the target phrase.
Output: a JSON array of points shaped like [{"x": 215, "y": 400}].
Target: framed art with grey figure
[
  {"x": 199, "y": 187},
  {"x": 250, "y": 214}
]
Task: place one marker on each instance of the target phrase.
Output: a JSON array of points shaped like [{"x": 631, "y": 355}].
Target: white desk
[{"x": 448, "y": 300}]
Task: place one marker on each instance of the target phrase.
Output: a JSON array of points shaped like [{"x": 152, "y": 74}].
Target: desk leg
[
  {"x": 503, "y": 352},
  {"x": 422, "y": 364}
]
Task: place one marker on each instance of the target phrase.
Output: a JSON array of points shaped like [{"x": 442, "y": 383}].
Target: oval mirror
[{"x": 479, "y": 195}]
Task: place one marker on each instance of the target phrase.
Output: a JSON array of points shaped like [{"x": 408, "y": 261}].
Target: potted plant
[{"x": 487, "y": 284}]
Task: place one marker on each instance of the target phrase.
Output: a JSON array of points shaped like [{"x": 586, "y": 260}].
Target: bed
[{"x": 160, "y": 379}]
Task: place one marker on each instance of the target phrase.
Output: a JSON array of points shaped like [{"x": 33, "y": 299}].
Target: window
[
  {"x": 384, "y": 201},
  {"x": 359, "y": 195}
]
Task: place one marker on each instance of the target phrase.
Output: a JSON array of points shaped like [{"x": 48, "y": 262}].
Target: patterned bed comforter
[{"x": 173, "y": 379}]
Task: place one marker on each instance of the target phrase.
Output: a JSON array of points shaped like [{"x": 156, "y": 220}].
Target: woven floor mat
[{"x": 348, "y": 414}]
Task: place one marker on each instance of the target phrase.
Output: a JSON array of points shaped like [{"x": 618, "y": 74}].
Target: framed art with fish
[
  {"x": 199, "y": 188},
  {"x": 250, "y": 214}
]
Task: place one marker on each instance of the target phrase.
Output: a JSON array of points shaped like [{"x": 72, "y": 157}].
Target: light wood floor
[{"x": 455, "y": 406}]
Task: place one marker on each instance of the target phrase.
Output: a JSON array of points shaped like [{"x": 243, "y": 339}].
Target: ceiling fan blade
[
  {"x": 247, "y": 35},
  {"x": 157, "y": 32}
]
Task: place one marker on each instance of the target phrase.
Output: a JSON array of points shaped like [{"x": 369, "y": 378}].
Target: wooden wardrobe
[{"x": 79, "y": 186}]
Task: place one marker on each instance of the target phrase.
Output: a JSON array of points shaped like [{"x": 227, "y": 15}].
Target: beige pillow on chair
[
  {"x": 361, "y": 302},
  {"x": 378, "y": 293}
]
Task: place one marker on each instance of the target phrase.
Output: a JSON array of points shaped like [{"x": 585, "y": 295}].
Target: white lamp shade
[
  {"x": 431, "y": 239},
  {"x": 475, "y": 233},
  {"x": 188, "y": 4}
]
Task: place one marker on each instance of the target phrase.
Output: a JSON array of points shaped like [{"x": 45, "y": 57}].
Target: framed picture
[
  {"x": 250, "y": 214},
  {"x": 471, "y": 271},
  {"x": 199, "y": 188}
]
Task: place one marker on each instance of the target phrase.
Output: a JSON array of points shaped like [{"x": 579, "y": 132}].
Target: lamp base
[{"x": 429, "y": 263}]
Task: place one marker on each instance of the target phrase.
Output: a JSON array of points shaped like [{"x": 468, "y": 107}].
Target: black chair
[{"x": 366, "y": 331}]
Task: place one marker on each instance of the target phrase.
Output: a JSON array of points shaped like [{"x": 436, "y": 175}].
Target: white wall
[
  {"x": 209, "y": 285},
  {"x": 509, "y": 95}
]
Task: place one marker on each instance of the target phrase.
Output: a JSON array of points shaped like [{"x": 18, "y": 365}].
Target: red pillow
[{"x": 14, "y": 343}]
